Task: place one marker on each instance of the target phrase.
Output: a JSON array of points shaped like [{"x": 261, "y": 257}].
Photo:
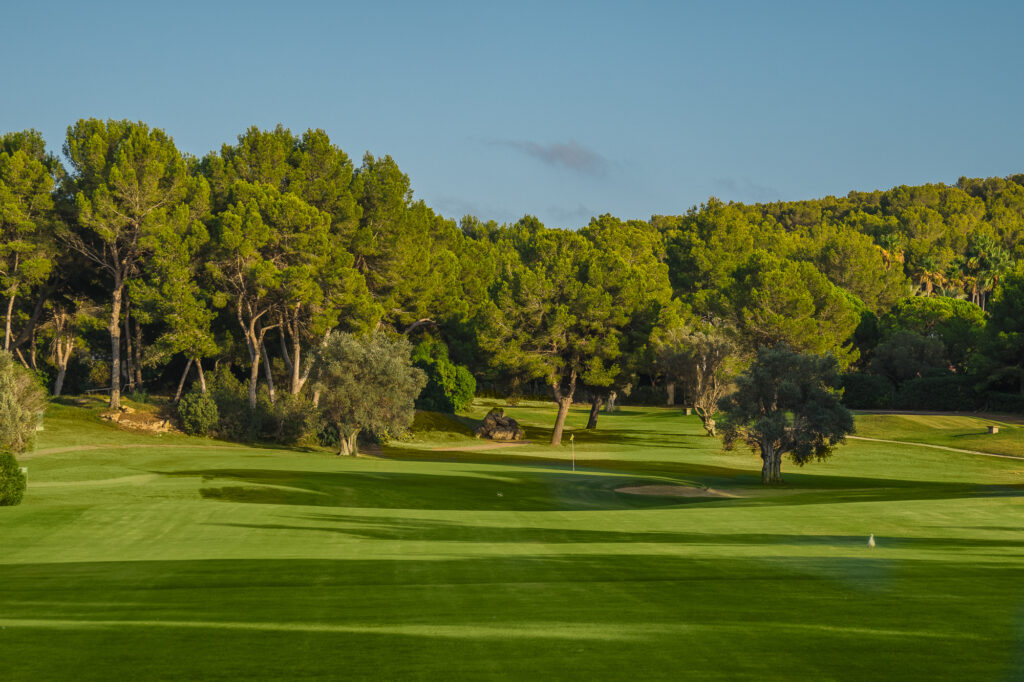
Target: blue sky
[{"x": 559, "y": 109}]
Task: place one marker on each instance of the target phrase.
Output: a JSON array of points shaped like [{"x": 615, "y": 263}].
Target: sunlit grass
[{"x": 175, "y": 558}]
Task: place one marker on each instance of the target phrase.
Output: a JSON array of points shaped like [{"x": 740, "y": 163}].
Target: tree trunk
[
  {"x": 115, "y": 347},
  {"x": 706, "y": 420},
  {"x": 202, "y": 376},
  {"x": 564, "y": 401},
  {"x": 254, "y": 376},
  {"x": 296, "y": 363},
  {"x": 29, "y": 329},
  {"x": 181, "y": 384},
  {"x": 129, "y": 371},
  {"x": 670, "y": 389},
  {"x": 138, "y": 353},
  {"x": 595, "y": 409},
  {"x": 349, "y": 444},
  {"x": 771, "y": 466},
  {"x": 63, "y": 355},
  {"x": 563, "y": 411},
  {"x": 7, "y": 331},
  {"x": 610, "y": 407},
  {"x": 59, "y": 384},
  {"x": 270, "y": 375}
]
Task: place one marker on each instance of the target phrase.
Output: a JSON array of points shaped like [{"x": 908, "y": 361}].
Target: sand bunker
[{"x": 673, "y": 491}]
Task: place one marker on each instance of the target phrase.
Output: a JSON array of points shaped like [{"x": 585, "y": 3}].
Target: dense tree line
[{"x": 128, "y": 265}]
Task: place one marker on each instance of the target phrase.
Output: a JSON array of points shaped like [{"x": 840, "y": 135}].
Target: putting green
[{"x": 433, "y": 559}]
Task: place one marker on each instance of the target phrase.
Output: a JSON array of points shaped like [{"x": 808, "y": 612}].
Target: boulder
[{"x": 497, "y": 426}]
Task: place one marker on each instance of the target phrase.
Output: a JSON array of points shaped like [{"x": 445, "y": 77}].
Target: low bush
[
  {"x": 1004, "y": 402},
  {"x": 867, "y": 392},
  {"x": 12, "y": 481},
  {"x": 950, "y": 393},
  {"x": 291, "y": 420},
  {"x": 236, "y": 420},
  {"x": 198, "y": 413}
]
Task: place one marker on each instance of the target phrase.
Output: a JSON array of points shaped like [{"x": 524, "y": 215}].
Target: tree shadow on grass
[
  {"x": 421, "y": 530},
  {"x": 416, "y": 617},
  {"x": 556, "y": 490},
  {"x": 540, "y": 490}
]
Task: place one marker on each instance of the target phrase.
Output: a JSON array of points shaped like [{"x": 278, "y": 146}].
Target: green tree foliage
[
  {"x": 908, "y": 355},
  {"x": 26, "y": 219},
  {"x": 772, "y": 300},
  {"x": 368, "y": 383},
  {"x": 1000, "y": 362},
  {"x": 957, "y": 324},
  {"x": 634, "y": 255},
  {"x": 853, "y": 261},
  {"x": 450, "y": 388},
  {"x": 22, "y": 401},
  {"x": 555, "y": 314},
  {"x": 127, "y": 181},
  {"x": 276, "y": 264},
  {"x": 786, "y": 403}
]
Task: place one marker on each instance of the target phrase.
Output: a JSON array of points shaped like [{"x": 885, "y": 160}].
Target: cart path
[{"x": 935, "y": 447}]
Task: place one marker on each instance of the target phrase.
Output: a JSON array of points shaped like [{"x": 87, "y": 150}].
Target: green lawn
[{"x": 174, "y": 558}]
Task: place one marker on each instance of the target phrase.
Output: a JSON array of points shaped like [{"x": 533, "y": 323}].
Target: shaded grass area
[{"x": 210, "y": 561}]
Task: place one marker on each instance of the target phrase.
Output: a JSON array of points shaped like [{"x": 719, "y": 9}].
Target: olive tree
[
  {"x": 786, "y": 402},
  {"x": 703, "y": 361},
  {"x": 22, "y": 400},
  {"x": 367, "y": 383}
]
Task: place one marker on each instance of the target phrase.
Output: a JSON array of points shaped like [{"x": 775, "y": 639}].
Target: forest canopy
[{"x": 126, "y": 264}]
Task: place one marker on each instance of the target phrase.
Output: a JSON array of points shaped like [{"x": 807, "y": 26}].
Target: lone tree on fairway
[
  {"x": 368, "y": 383},
  {"x": 786, "y": 403},
  {"x": 22, "y": 400}
]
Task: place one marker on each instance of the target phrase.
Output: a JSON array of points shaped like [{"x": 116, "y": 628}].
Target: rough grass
[{"x": 180, "y": 558}]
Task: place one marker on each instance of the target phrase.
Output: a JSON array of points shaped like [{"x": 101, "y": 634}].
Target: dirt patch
[
  {"x": 143, "y": 421},
  {"x": 673, "y": 491}
]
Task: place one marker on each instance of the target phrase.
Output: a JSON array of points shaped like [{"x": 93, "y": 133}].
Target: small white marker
[
  {"x": 24, "y": 470},
  {"x": 871, "y": 540}
]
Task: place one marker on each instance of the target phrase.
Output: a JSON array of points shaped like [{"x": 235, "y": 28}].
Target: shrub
[
  {"x": 236, "y": 420},
  {"x": 450, "y": 387},
  {"x": 12, "y": 481},
  {"x": 198, "y": 413},
  {"x": 951, "y": 393},
  {"x": 867, "y": 391},
  {"x": 22, "y": 400},
  {"x": 1004, "y": 402},
  {"x": 291, "y": 420}
]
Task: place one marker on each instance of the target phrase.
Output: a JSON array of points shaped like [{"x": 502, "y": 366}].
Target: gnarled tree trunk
[
  {"x": 706, "y": 420},
  {"x": 771, "y": 465},
  {"x": 349, "y": 444},
  {"x": 670, "y": 389}
]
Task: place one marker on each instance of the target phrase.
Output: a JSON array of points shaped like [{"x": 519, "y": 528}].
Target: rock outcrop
[{"x": 497, "y": 426}]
